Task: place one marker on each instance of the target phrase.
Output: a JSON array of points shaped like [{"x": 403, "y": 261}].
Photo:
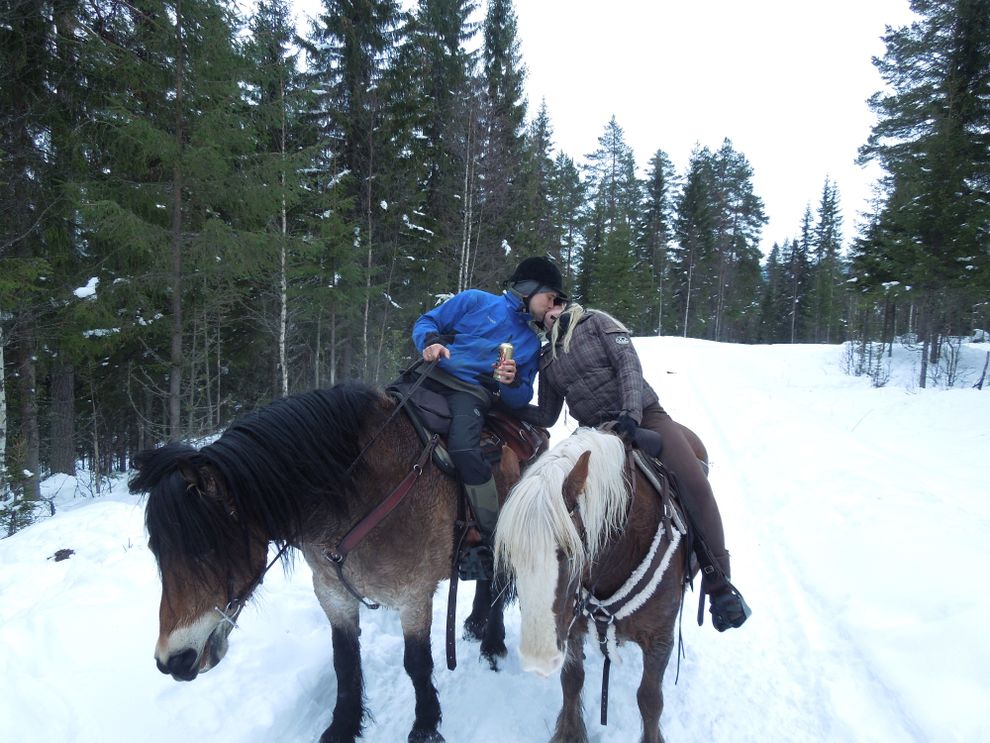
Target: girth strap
[{"x": 364, "y": 527}]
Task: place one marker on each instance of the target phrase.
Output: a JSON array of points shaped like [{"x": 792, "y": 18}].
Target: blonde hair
[{"x": 574, "y": 314}]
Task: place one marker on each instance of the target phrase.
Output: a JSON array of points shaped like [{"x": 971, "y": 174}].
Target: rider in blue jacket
[{"x": 464, "y": 334}]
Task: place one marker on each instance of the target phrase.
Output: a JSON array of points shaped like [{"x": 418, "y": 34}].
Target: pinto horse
[
  {"x": 301, "y": 472},
  {"x": 585, "y": 538}
]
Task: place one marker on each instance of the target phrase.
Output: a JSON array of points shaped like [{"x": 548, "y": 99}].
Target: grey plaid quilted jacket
[{"x": 599, "y": 377}]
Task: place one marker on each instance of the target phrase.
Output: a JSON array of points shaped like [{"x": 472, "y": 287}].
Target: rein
[
  {"x": 229, "y": 614},
  {"x": 363, "y": 527}
]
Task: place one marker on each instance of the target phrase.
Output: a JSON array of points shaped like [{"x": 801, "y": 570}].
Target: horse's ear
[
  {"x": 196, "y": 471},
  {"x": 201, "y": 476},
  {"x": 574, "y": 482},
  {"x": 190, "y": 473}
]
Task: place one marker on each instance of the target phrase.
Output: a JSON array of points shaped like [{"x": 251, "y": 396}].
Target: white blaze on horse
[{"x": 588, "y": 539}]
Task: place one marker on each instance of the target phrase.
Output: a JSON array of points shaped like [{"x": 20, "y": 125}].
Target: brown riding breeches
[{"x": 696, "y": 492}]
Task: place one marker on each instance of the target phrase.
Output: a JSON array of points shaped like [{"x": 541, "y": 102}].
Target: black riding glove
[{"x": 626, "y": 427}]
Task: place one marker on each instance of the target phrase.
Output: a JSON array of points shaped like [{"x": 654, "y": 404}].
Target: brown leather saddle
[{"x": 429, "y": 414}]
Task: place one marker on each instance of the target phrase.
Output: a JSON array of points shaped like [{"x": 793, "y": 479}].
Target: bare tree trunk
[
  {"x": 175, "y": 360},
  {"x": 464, "y": 273},
  {"x": 219, "y": 375},
  {"x": 283, "y": 281},
  {"x": 365, "y": 341},
  {"x": 63, "y": 445},
  {"x": 318, "y": 351},
  {"x": 207, "y": 382},
  {"x": 96, "y": 438},
  {"x": 333, "y": 347},
  {"x": 191, "y": 427},
  {"x": 687, "y": 296},
  {"x": 28, "y": 394},
  {"x": 3, "y": 420}
]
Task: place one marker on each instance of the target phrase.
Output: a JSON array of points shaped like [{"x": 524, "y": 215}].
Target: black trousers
[{"x": 467, "y": 412}]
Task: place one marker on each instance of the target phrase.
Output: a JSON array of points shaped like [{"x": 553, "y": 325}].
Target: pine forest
[{"x": 202, "y": 211}]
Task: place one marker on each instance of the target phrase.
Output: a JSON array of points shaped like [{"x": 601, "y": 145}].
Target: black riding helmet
[{"x": 535, "y": 275}]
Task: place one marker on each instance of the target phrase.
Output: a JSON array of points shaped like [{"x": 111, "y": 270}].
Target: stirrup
[
  {"x": 476, "y": 563},
  {"x": 729, "y": 609}
]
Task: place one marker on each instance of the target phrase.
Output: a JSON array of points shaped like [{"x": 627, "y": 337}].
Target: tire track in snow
[{"x": 791, "y": 620}]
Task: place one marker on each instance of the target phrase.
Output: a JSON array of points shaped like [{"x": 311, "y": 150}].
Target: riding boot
[
  {"x": 727, "y": 605},
  {"x": 477, "y": 562}
]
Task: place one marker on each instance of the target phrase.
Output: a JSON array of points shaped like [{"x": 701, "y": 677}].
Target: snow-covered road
[{"x": 856, "y": 519}]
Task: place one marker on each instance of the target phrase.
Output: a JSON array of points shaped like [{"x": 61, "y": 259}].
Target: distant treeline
[{"x": 200, "y": 212}]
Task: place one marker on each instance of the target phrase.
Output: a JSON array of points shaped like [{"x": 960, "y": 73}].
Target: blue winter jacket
[{"x": 475, "y": 323}]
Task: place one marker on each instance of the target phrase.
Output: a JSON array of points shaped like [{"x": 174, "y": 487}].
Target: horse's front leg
[
  {"x": 418, "y": 661},
  {"x": 477, "y": 621},
  {"x": 349, "y": 711},
  {"x": 486, "y": 623},
  {"x": 570, "y": 722},
  {"x": 650, "y": 692}
]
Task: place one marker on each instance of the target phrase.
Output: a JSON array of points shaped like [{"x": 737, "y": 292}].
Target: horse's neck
[{"x": 623, "y": 554}]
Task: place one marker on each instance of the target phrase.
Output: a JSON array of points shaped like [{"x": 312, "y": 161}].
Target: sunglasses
[{"x": 559, "y": 302}]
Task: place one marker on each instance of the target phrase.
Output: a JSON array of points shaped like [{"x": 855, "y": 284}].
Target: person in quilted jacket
[{"x": 590, "y": 363}]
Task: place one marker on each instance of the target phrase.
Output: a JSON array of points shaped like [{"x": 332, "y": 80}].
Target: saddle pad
[{"x": 501, "y": 428}]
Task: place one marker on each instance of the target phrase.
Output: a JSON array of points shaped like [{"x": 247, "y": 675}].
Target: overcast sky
[{"x": 786, "y": 80}]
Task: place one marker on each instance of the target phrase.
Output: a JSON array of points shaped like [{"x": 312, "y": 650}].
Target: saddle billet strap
[
  {"x": 364, "y": 527},
  {"x": 451, "y": 640}
]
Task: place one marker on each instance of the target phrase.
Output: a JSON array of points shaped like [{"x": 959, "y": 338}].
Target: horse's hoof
[
  {"x": 334, "y": 737},
  {"x": 425, "y": 736},
  {"x": 474, "y": 629},
  {"x": 492, "y": 656}
]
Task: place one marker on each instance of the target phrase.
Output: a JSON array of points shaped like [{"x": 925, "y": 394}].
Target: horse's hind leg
[
  {"x": 650, "y": 692},
  {"x": 418, "y": 662},
  {"x": 570, "y": 722}
]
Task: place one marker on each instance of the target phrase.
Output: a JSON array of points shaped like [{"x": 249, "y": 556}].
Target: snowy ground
[{"x": 857, "y": 518}]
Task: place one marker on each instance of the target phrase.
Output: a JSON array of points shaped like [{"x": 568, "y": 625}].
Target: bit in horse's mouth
[{"x": 216, "y": 647}]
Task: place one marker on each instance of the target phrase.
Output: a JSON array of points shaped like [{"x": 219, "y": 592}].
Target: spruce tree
[
  {"x": 931, "y": 138},
  {"x": 738, "y": 226},
  {"x": 613, "y": 277},
  {"x": 694, "y": 252},
  {"x": 503, "y": 116},
  {"x": 567, "y": 193},
  {"x": 828, "y": 278},
  {"x": 536, "y": 231},
  {"x": 655, "y": 233},
  {"x": 437, "y": 111},
  {"x": 350, "y": 47}
]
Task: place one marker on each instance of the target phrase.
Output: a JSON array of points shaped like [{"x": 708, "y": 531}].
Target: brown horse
[
  {"x": 293, "y": 473},
  {"x": 582, "y": 544}
]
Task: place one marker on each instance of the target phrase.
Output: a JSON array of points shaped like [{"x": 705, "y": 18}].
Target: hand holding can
[{"x": 505, "y": 368}]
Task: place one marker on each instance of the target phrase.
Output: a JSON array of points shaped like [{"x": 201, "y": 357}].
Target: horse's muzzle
[
  {"x": 542, "y": 666},
  {"x": 182, "y": 666}
]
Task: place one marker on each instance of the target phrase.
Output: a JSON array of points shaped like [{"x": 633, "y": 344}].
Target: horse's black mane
[{"x": 274, "y": 468}]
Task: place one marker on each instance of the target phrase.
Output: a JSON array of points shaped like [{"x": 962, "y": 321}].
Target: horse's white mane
[{"x": 534, "y": 522}]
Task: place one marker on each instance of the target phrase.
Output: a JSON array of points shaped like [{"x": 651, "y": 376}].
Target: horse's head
[
  {"x": 553, "y": 524},
  {"x": 209, "y": 559}
]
